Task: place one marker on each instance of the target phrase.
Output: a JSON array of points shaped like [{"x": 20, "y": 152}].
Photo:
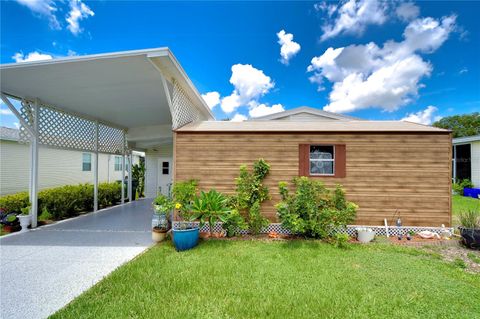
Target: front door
[{"x": 164, "y": 182}]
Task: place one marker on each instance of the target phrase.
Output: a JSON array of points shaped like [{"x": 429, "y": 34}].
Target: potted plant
[
  {"x": 210, "y": 208},
  {"x": 9, "y": 221},
  {"x": 25, "y": 218},
  {"x": 470, "y": 228},
  {"x": 365, "y": 234},
  {"x": 185, "y": 236},
  {"x": 162, "y": 206}
]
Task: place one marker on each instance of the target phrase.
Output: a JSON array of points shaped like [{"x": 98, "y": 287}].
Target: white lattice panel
[
  {"x": 110, "y": 139},
  {"x": 27, "y": 112},
  {"x": 63, "y": 130},
  {"x": 184, "y": 111},
  {"x": 351, "y": 229}
]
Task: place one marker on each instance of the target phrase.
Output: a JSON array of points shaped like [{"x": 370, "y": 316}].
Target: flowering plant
[{"x": 163, "y": 204}]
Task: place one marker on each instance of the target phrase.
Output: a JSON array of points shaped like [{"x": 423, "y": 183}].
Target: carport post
[
  {"x": 123, "y": 178},
  {"x": 95, "y": 171},
  {"x": 130, "y": 191},
  {"x": 34, "y": 167}
]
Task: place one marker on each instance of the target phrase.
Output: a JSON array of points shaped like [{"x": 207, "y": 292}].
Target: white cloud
[
  {"x": 238, "y": 118},
  {"x": 45, "y": 8},
  {"x": 387, "y": 77},
  {"x": 463, "y": 70},
  {"x": 17, "y": 126},
  {"x": 249, "y": 85},
  {"x": 289, "y": 48},
  {"x": 78, "y": 11},
  {"x": 32, "y": 56},
  {"x": 264, "y": 109},
  {"x": 212, "y": 99},
  {"x": 352, "y": 17},
  {"x": 5, "y": 112},
  {"x": 426, "y": 116},
  {"x": 407, "y": 11}
]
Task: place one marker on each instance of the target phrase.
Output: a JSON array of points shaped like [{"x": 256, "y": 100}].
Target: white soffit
[{"x": 125, "y": 89}]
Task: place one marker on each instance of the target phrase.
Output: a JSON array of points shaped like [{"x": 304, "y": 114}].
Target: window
[
  {"x": 118, "y": 163},
  {"x": 322, "y": 160},
  {"x": 86, "y": 162},
  {"x": 165, "y": 168}
]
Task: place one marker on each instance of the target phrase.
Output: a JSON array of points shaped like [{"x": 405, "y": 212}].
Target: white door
[{"x": 164, "y": 182}]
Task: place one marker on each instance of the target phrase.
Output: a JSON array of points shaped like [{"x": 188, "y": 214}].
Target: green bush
[
  {"x": 15, "y": 202},
  {"x": 183, "y": 194},
  {"x": 234, "y": 223},
  {"x": 250, "y": 193},
  {"x": 314, "y": 211},
  {"x": 65, "y": 201},
  {"x": 460, "y": 185}
]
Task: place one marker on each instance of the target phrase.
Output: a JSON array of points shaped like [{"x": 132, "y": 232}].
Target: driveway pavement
[{"x": 44, "y": 269}]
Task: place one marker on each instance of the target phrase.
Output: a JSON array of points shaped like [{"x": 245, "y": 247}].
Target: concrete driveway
[{"x": 44, "y": 269}]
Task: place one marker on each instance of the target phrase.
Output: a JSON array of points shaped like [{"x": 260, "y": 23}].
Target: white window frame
[
  {"x": 119, "y": 164},
  {"x": 321, "y": 160},
  {"x": 89, "y": 162}
]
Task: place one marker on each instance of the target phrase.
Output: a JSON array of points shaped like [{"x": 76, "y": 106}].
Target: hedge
[{"x": 65, "y": 201}]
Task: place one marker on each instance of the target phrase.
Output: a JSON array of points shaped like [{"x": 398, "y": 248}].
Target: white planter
[
  {"x": 365, "y": 235},
  {"x": 24, "y": 222}
]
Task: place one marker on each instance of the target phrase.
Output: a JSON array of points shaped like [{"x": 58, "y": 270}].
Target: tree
[
  {"x": 461, "y": 125},
  {"x": 138, "y": 173}
]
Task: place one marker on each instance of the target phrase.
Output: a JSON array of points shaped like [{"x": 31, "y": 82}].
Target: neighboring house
[
  {"x": 386, "y": 167},
  {"x": 305, "y": 114},
  {"x": 57, "y": 167},
  {"x": 466, "y": 159}
]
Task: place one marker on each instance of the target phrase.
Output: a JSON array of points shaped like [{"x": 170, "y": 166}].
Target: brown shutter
[
  {"x": 303, "y": 159},
  {"x": 340, "y": 160}
]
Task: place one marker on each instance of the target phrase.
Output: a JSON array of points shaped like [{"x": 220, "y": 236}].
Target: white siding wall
[
  {"x": 151, "y": 167},
  {"x": 56, "y": 168},
  {"x": 476, "y": 163}
]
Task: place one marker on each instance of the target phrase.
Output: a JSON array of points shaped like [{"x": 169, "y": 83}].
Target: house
[
  {"x": 466, "y": 159},
  {"x": 57, "y": 167},
  {"x": 143, "y": 100}
]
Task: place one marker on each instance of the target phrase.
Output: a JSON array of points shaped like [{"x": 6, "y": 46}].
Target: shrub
[
  {"x": 314, "y": 211},
  {"x": 469, "y": 218},
  {"x": 459, "y": 186},
  {"x": 233, "y": 223},
  {"x": 250, "y": 193},
  {"x": 340, "y": 240},
  {"x": 184, "y": 193},
  {"x": 15, "y": 202},
  {"x": 210, "y": 207},
  {"x": 45, "y": 215},
  {"x": 65, "y": 201}
]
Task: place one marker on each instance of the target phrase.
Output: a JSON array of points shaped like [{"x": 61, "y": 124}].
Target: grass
[
  {"x": 474, "y": 258},
  {"x": 461, "y": 203},
  {"x": 294, "y": 279}
]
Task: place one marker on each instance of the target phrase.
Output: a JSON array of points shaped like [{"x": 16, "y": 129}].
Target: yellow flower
[{"x": 178, "y": 205}]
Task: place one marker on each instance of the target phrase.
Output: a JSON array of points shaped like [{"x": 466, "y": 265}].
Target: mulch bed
[{"x": 419, "y": 241}]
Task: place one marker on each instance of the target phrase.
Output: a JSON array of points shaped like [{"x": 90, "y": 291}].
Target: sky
[{"x": 416, "y": 61}]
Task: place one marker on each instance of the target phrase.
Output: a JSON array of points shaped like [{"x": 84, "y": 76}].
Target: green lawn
[
  {"x": 460, "y": 203},
  {"x": 294, "y": 279}
]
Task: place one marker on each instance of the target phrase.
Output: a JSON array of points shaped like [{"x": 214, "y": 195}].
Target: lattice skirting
[{"x": 351, "y": 229}]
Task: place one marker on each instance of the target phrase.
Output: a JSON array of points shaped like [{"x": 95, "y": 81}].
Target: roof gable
[{"x": 305, "y": 113}]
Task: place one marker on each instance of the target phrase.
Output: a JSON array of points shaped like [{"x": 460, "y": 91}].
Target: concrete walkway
[{"x": 44, "y": 269}]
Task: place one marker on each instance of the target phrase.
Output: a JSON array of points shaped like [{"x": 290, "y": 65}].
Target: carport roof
[{"x": 123, "y": 88}]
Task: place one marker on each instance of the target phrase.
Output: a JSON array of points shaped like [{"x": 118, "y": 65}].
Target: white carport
[{"x": 106, "y": 103}]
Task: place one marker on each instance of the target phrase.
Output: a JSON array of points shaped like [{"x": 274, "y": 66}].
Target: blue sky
[{"x": 370, "y": 59}]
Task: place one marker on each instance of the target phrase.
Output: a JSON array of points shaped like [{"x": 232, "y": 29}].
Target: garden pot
[
  {"x": 185, "y": 239},
  {"x": 470, "y": 237},
  {"x": 24, "y": 222},
  {"x": 158, "y": 235},
  {"x": 365, "y": 236}
]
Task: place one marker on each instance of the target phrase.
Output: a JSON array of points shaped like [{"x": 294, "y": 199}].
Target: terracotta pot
[
  {"x": 158, "y": 235},
  {"x": 204, "y": 235}
]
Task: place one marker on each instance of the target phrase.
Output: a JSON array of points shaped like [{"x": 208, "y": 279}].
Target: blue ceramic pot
[{"x": 185, "y": 239}]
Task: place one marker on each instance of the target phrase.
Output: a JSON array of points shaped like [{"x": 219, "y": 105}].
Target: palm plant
[{"x": 209, "y": 208}]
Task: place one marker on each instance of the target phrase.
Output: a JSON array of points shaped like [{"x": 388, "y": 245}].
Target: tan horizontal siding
[{"x": 385, "y": 172}]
